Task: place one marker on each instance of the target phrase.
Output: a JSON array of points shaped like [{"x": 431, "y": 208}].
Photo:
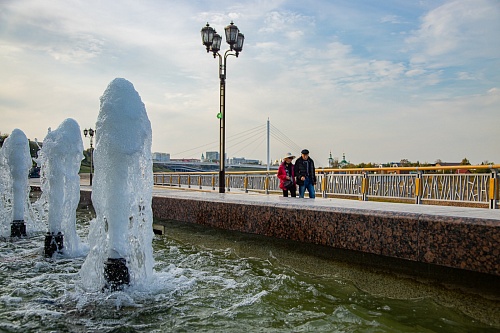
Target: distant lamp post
[
  {"x": 91, "y": 133},
  {"x": 212, "y": 40}
]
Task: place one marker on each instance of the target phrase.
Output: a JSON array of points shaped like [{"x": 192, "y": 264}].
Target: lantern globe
[
  {"x": 207, "y": 36},
  {"x": 216, "y": 43},
  {"x": 231, "y": 34},
  {"x": 239, "y": 43}
]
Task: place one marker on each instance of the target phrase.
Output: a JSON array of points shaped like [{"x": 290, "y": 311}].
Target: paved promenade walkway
[
  {"x": 317, "y": 203},
  {"x": 320, "y": 203}
]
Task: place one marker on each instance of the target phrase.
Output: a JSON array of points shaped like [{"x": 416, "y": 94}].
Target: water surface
[{"x": 210, "y": 280}]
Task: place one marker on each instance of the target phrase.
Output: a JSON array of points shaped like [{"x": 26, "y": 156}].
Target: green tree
[{"x": 2, "y": 138}]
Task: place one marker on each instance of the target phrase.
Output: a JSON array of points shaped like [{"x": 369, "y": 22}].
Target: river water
[{"x": 210, "y": 280}]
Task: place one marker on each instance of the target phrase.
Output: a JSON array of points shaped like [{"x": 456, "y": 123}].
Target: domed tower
[
  {"x": 343, "y": 163},
  {"x": 330, "y": 160}
]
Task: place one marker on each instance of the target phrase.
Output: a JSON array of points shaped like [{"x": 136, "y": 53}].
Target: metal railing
[{"x": 420, "y": 185}]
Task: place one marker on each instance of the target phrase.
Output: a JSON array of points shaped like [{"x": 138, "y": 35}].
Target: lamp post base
[
  {"x": 222, "y": 182},
  {"x": 53, "y": 243},
  {"x": 18, "y": 228},
  {"x": 116, "y": 274}
]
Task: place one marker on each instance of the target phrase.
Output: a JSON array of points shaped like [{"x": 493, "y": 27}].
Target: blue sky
[{"x": 377, "y": 80}]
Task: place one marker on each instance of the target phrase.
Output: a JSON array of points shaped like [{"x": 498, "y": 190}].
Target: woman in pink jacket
[{"x": 286, "y": 175}]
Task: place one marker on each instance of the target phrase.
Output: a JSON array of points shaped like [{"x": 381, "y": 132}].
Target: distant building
[
  {"x": 333, "y": 162},
  {"x": 161, "y": 157},
  {"x": 212, "y": 156},
  {"x": 447, "y": 164},
  {"x": 237, "y": 160},
  {"x": 256, "y": 162},
  {"x": 343, "y": 163},
  {"x": 242, "y": 160},
  {"x": 397, "y": 165},
  {"x": 185, "y": 160}
]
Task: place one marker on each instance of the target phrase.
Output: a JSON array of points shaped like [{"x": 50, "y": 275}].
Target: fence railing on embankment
[{"x": 433, "y": 185}]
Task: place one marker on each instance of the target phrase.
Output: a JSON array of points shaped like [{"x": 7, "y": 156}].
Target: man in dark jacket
[{"x": 306, "y": 174}]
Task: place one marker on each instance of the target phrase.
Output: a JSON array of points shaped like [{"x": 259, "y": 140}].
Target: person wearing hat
[
  {"x": 286, "y": 174},
  {"x": 306, "y": 174}
]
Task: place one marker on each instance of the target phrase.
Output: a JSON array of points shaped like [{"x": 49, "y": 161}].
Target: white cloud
[
  {"x": 415, "y": 72},
  {"x": 394, "y": 19},
  {"x": 456, "y": 33},
  {"x": 315, "y": 77},
  {"x": 81, "y": 49},
  {"x": 465, "y": 76},
  {"x": 494, "y": 91},
  {"x": 287, "y": 23}
]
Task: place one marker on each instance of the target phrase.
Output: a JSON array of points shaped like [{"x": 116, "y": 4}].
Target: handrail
[
  {"x": 355, "y": 170},
  {"x": 388, "y": 183},
  {"x": 421, "y": 168},
  {"x": 250, "y": 172}
]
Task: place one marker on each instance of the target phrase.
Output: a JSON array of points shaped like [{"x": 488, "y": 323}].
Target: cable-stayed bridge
[
  {"x": 249, "y": 143},
  {"x": 188, "y": 166}
]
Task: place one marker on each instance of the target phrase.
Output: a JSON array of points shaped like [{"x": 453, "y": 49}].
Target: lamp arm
[
  {"x": 229, "y": 53},
  {"x": 222, "y": 67}
]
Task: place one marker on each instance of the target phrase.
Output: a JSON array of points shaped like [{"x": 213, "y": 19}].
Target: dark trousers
[{"x": 293, "y": 192}]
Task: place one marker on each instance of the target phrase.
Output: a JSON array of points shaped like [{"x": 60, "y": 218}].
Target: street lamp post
[
  {"x": 212, "y": 40},
  {"x": 91, "y": 133}
]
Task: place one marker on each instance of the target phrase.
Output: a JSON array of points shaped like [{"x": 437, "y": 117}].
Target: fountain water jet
[
  {"x": 122, "y": 233},
  {"x": 60, "y": 159},
  {"x": 16, "y": 153}
]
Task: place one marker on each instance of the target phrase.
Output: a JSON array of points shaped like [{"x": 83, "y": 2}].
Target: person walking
[
  {"x": 286, "y": 174},
  {"x": 306, "y": 174}
]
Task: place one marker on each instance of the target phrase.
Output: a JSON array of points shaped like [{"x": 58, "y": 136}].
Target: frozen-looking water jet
[
  {"x": 121, "y": 193},
  {"x": 17, "y": 155},
  {"x": 60, "y": 159}
]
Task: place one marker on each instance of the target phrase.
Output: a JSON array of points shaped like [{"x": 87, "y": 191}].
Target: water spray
[
  {"x": 122, "y": 187},
  {"x": 17, "y": 154},
  {"x": 60, "y": 159}
]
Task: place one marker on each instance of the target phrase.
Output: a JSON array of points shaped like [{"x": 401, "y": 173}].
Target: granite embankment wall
[{"x": 463, "y": 242}]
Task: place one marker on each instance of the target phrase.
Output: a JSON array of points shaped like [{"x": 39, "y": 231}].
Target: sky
[{"x": 378, "y": 81}]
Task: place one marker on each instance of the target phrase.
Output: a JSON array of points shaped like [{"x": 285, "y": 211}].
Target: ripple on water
[{"x": 216, "y": 284}]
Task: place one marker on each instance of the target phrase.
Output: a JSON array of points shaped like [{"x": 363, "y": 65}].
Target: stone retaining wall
[{"x": 457, "y": 242}]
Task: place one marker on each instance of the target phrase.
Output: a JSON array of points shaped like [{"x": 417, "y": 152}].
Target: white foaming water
[
  {"x": 5, "y": 195},
  {"x": 122, "y": 189},
  {"x": 60, "y": 159},
  {"x": 15, "y": 163}
]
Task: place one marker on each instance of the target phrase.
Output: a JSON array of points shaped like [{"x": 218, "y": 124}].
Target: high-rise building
[
  {"x": 212, "y": 156},
  {"x": 161, "y": 157}
]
